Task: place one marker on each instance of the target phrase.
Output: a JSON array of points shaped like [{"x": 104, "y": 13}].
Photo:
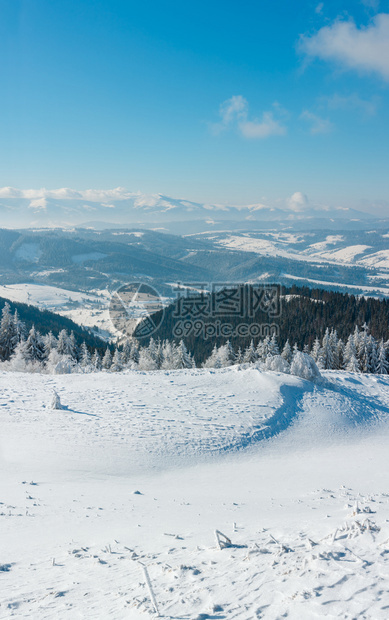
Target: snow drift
[{"x": 140, "y": 469}]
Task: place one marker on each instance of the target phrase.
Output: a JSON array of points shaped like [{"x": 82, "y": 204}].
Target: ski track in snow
[{"x": 141, "y": 468}]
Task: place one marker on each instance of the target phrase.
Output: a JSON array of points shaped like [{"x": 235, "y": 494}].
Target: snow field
[
  {"x": 87, "y": 309},
  {"x": 142, "y": 468}
]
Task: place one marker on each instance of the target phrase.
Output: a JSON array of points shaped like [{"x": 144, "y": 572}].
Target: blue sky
[{"x": 221, "y": 102}]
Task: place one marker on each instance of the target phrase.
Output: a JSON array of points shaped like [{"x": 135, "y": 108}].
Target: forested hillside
[
  {"x": 45, "y": 322},
  {"x": 304, "y": 315}
]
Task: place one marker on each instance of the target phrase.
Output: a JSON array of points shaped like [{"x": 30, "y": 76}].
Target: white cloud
[
  {"x": 38, "y": 203},
  {"x": 371, "y": 4},
  {"x": 237, "y": 106},
  {"x": 268, "y": 126},
  {"x": 38, "y": 197},
  {"x": 298, "y": 202},
  {"x": 365, "y": 49},
  {"x": 319, "y": 8},
  {"x": 353, "y": 101},
  {"x": 317, "y": 123},
  {"x": 234, "y": 113}
]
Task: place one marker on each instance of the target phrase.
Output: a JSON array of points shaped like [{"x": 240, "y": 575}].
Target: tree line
[{"x": 33, "y": 352}]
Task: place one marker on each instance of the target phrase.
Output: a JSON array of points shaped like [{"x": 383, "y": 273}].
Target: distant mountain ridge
[
  {"x": 356, "y": 261},
  {"x": 120, "y": 208}
]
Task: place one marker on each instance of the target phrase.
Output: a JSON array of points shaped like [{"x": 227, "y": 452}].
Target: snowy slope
[
  {"x": 141, "y": 468},
  {"x": 87, "y": 309}
]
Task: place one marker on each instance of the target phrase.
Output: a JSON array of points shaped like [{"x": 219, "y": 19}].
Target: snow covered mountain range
[
  {"x": 120, "y": 208},
  {"x": 73, "y": 272}
]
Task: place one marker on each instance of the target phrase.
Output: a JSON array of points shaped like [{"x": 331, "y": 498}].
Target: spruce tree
[
  {"x": 250, "y": 355},
  {"x": 183, "y": 358},
  {"x": 327, "y": 351},
  {"x": 382, "y": 366},
  {"x": 117, "y": 364},
  {"x": 49, "y": 343},
  {"x": 85, "y": 356},
  {"x": 107, "y": 359},
  {"x": 96, "y": 361},
  {"x": 287, "y": 352},
  {"x": 273, "y": 347},
  {"x": 34, "y": 346},
  {"x": 8, "y": 334}
]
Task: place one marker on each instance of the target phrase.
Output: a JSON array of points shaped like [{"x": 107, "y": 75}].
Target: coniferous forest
[
  {"x": 304, "y": 315},
  {"x": 339, "y": 332}
]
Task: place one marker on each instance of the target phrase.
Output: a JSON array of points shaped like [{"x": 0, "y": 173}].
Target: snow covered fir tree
[{"x": 33, "y": 352}]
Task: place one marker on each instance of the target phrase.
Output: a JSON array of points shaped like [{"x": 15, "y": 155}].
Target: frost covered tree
[
  {"x": 364, "y": 350},
  {"x": 327, "y": 351},
  {"x": 20, "y": 327},
  {"x": 74, "y": 349},
  {"x": 250, "y": 354},
  {"x": 340, "y": 354},
  {"x": 126, "y": 352},
  {"x": 49, "y": 343},
  {"x": 107, "y": 359},
  {"x": 65, "y": 344},
  {"x": 334, "y": 345},
  {"x": 276, "y": 363},
  {"x": 182, "y": 357},
  {"x": 316, "y": 352},
  {"x": 373, "y": 352},
  {"x": 382, "y": 365},
  {"x": 168, "y": 354},
  {"x": 96, "y": 361},
  {"x": 212, "y": 361},
  {"x": 287, "y": 352},
  {"x": 153, "y": 352},
  {"x": 263, "y": 349},
  {"x": 224, "y": 357},
  {"x": 159, "y": 354},
  {"x": 350, "y": 361},
  {"x": 239, "y": 356},
  {"x": 8, "y": 333},
  {"x": 117, "y": 364},
  {"x": 304, "y": 366},
  {"x": 58, "y": 364},
  {"x": 18, "y": 361},
  {"x": 228, "y": 354},
  {"x": 352, "y": 364},
  {"x": 147, "y": 359},
  {"x": 85, "y": 357},
  {"x": 34, "y": 348},
  {"x": 273, "y": 347},
  {"x": 134, "y": 355}
]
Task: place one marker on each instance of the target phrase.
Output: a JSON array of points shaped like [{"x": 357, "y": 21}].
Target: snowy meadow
[{"x": 193, "y": 494}]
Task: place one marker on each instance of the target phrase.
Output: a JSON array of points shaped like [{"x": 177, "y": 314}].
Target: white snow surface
[
  {"x": 28, "y": 252},
  {"x": 88, "y": 309},
  {"x": 142, "y": 468}
]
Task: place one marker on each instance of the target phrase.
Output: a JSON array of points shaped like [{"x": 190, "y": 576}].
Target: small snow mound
[
  {"x": 56, "y": 401},
  {"x": 304, "y": 366}
]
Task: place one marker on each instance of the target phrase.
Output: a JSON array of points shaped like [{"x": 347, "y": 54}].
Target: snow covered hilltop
[{"x": 293, "y": 472}]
